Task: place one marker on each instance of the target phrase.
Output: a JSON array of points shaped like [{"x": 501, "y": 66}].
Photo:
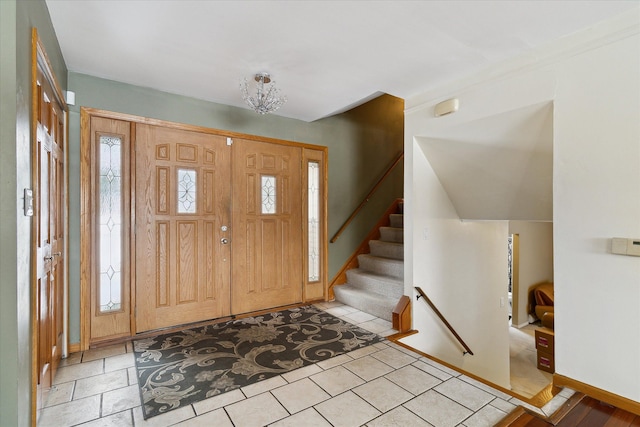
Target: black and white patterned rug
[{"x": 177, "y": 369}]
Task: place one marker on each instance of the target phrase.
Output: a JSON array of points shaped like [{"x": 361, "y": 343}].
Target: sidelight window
[
  {"x": 110, "y": 166},
  {"x": 314, "y": 220}
]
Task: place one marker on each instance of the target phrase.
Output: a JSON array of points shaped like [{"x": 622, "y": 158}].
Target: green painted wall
[
  {"x": 362, "y": 143},
  {"x": 16, "y": 21}
]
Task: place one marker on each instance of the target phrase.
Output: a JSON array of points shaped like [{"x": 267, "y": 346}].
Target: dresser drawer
[
  {"x": 545, "y": 340},
  {"x": 546, "y": 362}
]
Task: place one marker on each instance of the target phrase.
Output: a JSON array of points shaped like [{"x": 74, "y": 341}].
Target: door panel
[
  {"x": 267, "y": 226},
  {"x": 49, "y": 232},
  {"x": 57, "y": 229},
  {"x": 110, "y": 151},
  {"x": 182, "y": 209}
]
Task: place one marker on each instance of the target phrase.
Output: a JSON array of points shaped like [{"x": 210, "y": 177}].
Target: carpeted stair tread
[
  {"x": 377, "y": 285},
  {"x": 369, "y": 302},
  {"x": 383, "y": 285},
  {"x": 384, "y": 249},
  {"x": 382, "y": 266},
  {"x": 392, "y": 234}
]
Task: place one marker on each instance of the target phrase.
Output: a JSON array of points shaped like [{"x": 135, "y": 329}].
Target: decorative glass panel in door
[
  {"x": 268, "y": 194},
  {"x": 313, "y": 219},
  {"x": 187, "y": 191},
  {"x": 110, "y": 223}
]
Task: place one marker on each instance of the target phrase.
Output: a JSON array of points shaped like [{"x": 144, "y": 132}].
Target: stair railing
[
  {"x": 446, "y": 323},
  {"x": 367, "y": 197}
]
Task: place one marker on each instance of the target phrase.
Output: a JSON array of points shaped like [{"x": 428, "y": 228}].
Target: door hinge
[{"x": 229, "y": 141}]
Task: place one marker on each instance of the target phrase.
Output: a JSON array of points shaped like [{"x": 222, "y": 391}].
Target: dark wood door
[{"x": 49, "y": 233}]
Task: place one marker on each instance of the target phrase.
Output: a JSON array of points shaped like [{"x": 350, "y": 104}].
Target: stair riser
[
  {"x": 382, "y": 266},
  {"x": 375, "y": 284},
  {"x": 373, "y": 304},
  {"x": 390, "y": 234},
  {"x": 386, "y": 249},
  {"x": 396, "y": 220}
]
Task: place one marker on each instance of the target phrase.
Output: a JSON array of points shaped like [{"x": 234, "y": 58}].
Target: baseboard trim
[
  {"x": 554, "y": 419},
  {"x": 539, "y": 400},
  {"x": 597, "y": 393}
]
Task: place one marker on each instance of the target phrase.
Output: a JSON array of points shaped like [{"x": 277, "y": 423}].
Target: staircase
[{"x": 378, "y": 283}]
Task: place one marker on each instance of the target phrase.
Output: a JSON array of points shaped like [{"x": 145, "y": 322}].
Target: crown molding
[{"x": 601, "y": 34}]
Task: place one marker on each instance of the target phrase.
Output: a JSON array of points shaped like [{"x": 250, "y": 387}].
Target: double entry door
[
  {"x": 184, "y": 225},
  {"x": 218, "y": 227}
]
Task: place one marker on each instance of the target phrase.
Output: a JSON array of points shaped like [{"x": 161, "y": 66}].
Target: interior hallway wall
[
  {"x": 462, "y": 268},
  {"x": 593, "y": 79},
  {"x": 17, "y": 18}
]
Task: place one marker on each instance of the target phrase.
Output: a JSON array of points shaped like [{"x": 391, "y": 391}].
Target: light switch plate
[
  {"x": 623, "y": 246},
  {"x": 619, "y": 246},
  {"x": 633, "y": 247}
]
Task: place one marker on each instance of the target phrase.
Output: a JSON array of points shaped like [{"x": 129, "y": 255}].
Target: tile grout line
[{"x": 375, "y": 350}]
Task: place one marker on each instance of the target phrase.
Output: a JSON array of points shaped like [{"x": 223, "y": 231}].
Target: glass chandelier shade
[{"x": 267, "y": 98}]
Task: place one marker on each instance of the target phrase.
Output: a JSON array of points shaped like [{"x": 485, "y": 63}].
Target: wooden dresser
[{"x": 545, "y": 348}]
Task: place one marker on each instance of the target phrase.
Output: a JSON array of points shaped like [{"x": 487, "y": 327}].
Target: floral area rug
[{"x": 180, "y": 368}]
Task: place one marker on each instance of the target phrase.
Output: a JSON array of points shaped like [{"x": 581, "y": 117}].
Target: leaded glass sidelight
[
  {"x": 314, "y": 221},
  {"x": 186, "y": 191},
  {"x": 268, "y": 185},
  {"x": 111, "y": 216}
]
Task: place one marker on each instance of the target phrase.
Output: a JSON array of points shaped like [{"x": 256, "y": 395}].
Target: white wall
[
  {"x": 593, "y": 78},
  {"x": 461, "y": 266},
  {"x": 597, "y": 197},
  {"x": 536, "y": 262}
]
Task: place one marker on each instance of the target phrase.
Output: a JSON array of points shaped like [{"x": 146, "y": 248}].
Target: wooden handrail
[
  {"x": 367, "y": 197},
  {"x": 447, "y": 324}
]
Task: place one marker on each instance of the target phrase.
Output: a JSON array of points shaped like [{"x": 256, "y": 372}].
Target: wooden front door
[
  {"x": 49, "y": 232},
  {"x": 182, "y": 204},
  {"x": 218, "y": 226},
  {"x": 267, "y": 226}
]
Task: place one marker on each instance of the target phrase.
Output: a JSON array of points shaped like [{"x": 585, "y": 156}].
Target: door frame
[
  {"x": 40, "y": 61},
  {"x": 312, "y": 291}
]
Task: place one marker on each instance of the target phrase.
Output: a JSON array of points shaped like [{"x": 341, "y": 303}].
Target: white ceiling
[{"x": 326, "y": 56}]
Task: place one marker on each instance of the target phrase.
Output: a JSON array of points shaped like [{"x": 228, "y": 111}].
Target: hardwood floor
[
  {"x": 526, "y": 379},
  {"x": 588, "y": 412}
]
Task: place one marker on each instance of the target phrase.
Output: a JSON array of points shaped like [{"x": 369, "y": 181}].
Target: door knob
[
  {"x": 224, "y": 241},
  {"x": 49, "y": 258}
]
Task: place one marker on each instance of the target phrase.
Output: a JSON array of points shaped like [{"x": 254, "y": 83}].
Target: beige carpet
[{"x": 526, "y": 379}]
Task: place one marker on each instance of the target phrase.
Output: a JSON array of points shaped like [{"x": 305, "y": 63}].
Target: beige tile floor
[{"x": 380, "y": 385}]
